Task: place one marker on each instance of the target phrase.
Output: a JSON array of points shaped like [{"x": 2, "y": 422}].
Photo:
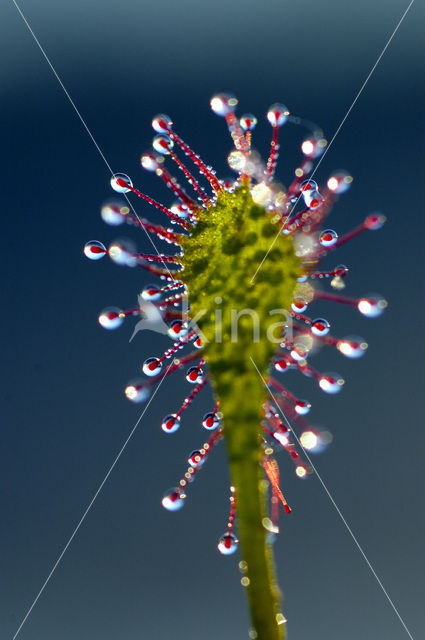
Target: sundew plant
[{"x": 233, "y": 293}]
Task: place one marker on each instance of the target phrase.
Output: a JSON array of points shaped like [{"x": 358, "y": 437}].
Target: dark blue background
[{"x": 133, "y": 570}]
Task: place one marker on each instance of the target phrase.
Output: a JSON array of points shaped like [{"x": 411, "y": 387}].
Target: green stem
[{"x": 241, "y": 404}]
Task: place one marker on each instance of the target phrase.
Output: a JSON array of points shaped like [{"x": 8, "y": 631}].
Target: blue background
[{"x": 134, "y": 570}]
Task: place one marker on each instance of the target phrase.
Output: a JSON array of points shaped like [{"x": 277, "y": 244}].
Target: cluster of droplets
[{"x": 301, "y": 210}]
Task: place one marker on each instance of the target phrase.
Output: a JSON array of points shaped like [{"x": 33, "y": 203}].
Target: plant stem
[{"x": 240, "y": 404}]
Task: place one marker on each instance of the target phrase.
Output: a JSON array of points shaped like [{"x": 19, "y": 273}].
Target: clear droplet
[
  {"x": 152, "y": 367},
  {"x": 179, "y": 210},
  {"x": 227, "y": 544},
  {"x": 372, "y": 306},
  {"x": 223, "y": 103},
  {"x": 312, "y": 199},
  {"x": 320, "y": 327},
  {"x": 171, "y": 423},
  {"x": 281, "y": 365},
  {"x": 309, "y": 440},
  {"x": 339, "y": 182},
  {"x": 121, "y": 183},
  {"x": 173, "y": 500},
  {"x": 210, "y": 421},
  {"x": 331, "y": 382},
  {"x": 198, "y": 343},
  {"x": 177, "y": 330},
  {"x": 300, "y": 351},
  {"x": 162, "y": 144},
  {"x": 151, "y": 292},
  {"x": 278, "y": 114},
  {"x": 122, "y": 252},
  {"x": 328, "y": 238},
  {"x": 308, "y": 186},
  {"x": 301, "y": 471},
  {"x": 194, "y": 375},
  {"x": 313, "y": 147},
  {"x": 150, "y": 161},
  {"x": 94, "y": 250},
  {"x": 337, "y": 283},
  {"x": 302, "y": 407},
  {"x": 137, "y": 391},
  {"x": 162, "y": 123},
  {"x": 111, "y": 318},
  {"x": 299, "y": 305},
  {"x": 114, "y": 213},
  {"x": 248, "y": 122},
  {"x": 375, "y": 221},
  {"x": 195, "y": 459},
  {"x": 352, "y": 346}
]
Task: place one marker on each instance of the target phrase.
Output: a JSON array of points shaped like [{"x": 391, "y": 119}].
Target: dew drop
[
  {"x": 198, "y": 343},
  {"x": 331, "y": 382},
  {"x": 194, "y": 375},
  {"x": 352, "y": 346},
  {"x": 277, "y": 114},
  {"x": 341, "y": 270},
  {"x": 339, "y": 182},
  {"x": 121, "y": 183},
  {"x": 177, "y": 330},
  {"x": 150, "y": 161},
  {"x": 152, "y": 367},
  {"x": 309, "y": 440},
  {"x": 195, "y": 459},
  {"x": 337, "y": 283},
  {"x": 312, "y": 199},
  {"x": 302, "y": 407},
  {"x": 375, "y": 221},
  {"x": 300, "y": 351},
  {"x": 223, "y": 103},
  {"x": 301, "y": 471},
  {"x": 173, "y": 500},
  {"x": 313, "y": 147},
  {"x": 114, "y": 213},
  {"x": 111, "y": 318},
  {"x": 151, "y": 293},
  {"x": 179, "y": 210},
  {"x": 372, "y": 306},
  {"x": 308, "y": 186},
  {"x": 299, "y": 305},
  {"x": 281, "y": 365},
  {"x": 328, "y": 238},
  {"x": 320, "y": 327},
  {"x": 122, "y": 252},
  {"x": 137, "y": 391},
  {"x": 162, "y": 123},
  {"x": 248, "y": 122},
  {"x": 94, "y": 250},
  {"x": 171, "y": 423},
  {"x": 282, "y": 438},
  {"x": 227, "y": 544},
  {"x": 210, "y": 421},
  {"x": 162, "y": 144}
]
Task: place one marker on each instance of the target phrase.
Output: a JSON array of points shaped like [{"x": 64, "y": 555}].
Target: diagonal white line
[
  {"x": 102, "y": 155},
  {"x": 322, "y": 482},
  {"x": 92, "y": 501},
  {"x": 337, "y": 131}
]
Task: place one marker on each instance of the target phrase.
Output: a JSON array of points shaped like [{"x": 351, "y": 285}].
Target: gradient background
[{"x": 134, "y": 570}]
